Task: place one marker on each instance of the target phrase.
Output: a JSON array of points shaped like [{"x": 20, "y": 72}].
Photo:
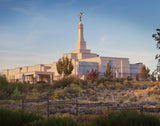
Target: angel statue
[{"x": 80, "y": 15}]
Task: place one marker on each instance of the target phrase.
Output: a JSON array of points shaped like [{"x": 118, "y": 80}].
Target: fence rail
[{"x": 48, "y": 106}]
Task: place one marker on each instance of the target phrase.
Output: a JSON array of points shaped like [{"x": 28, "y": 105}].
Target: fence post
[
  {"x": 76, "y": 107},
  {"x": 23, "y": 103},
  {"x": 48, "y": 106},
  {"x": 141, "y": 109},
  {"x": 108, "y": 108}
]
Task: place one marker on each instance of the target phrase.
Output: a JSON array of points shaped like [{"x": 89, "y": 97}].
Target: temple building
[{"x": 83, "y": 60}]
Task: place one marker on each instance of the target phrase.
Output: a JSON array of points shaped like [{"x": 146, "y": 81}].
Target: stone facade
[{"x": 83, "y": 60}]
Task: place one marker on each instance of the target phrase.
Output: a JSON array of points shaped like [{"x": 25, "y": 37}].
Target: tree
[
  {"x": 158, "y": 78},
  {"x": 109, "y": 72},
  {"x": 153, "y": 78},
  {"x": 144, "y": 72},
  {"x": 16, "y": 93},
  {"x": 59, "y": 66},
  {"x": 137, "y": 77},
  {"x": 67, "y": 66},
  {"x": 93, "y": 74},
  {"x": 3, "y": 82},
  {"x": 64, "y": 66},
  {"x": 157, "y": 39}
]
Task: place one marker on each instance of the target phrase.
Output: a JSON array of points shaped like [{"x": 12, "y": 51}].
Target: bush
[
  {"x": 131, "y": 118},
  {"x": 123, "y": 118},
  {"x": 92, "y": 75},
  {"x": 16, "y": 118},
  {"x": 100, "y": 121},
  {"x": 101, "y": 80},
  {"x": 119, "y": 86},
  {"x": 121, "y": 80},
  {"x": 16, "y": 93},
  {"x": 10, "y": 89},
  {"x": 3, "y": 82},
  {"x": 55, "y": 121},
  {"x": 41, "y": 86},
  {"x": 133, "y": 99},
  {"x": 93, "y": 98},
  {"x": 73, "y": 91},
  {"x": 65, "y": 81},
  {"x": 101, "y": 86},
  {"x": 129, "y": 78}
]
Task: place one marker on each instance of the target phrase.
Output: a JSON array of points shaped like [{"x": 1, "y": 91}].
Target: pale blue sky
[{"x": 40, "y": 31}]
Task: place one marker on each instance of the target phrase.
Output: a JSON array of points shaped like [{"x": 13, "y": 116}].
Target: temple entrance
[
  {"x": 37, "y": 77},
  {"x": 43, "y": 78}
]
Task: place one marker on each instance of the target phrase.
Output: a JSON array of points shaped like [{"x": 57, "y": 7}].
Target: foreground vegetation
[
  {"x": 96, "y": 90},
  {"x": 132, "y": 118}
]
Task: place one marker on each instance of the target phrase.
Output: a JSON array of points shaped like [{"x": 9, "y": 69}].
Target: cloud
[
  {"x": 26, "y": 8},
  {"x": 26, "y": 11},
  {"x": 103, "y": 38}
]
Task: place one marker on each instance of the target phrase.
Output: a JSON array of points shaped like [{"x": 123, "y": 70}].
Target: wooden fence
[{"x": 49, "y": 107}]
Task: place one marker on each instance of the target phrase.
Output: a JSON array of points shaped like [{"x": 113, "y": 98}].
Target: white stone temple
[{"x": 83, "y": 60}]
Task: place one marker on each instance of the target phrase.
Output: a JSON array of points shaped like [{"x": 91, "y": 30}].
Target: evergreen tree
[
  {"x": 16, "y": 93},
  {"x": 153, "y": 78},
  {"x": 157, "y": 57},
  {"x": 144, "y": 72},
  {"x": 109, "y": 73},
  {"x": 158, "y": 78},
  {"x": 67, "y": 66},
  {"x": 59, "y": 66},
  {"x": 64, "y": 66},
  {"x": 137, "y": 77}
]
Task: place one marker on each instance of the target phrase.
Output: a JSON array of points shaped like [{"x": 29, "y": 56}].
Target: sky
[{"x": 41, "y": 31}]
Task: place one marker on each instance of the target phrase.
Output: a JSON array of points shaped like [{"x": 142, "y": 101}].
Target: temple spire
[{"x": 80, "y": 44}]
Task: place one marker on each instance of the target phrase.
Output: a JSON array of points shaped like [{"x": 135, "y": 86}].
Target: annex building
[{"x": 83, "y": 60}]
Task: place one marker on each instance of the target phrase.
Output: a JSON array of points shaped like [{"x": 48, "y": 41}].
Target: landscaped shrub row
[{"x": 122, "y": 118}]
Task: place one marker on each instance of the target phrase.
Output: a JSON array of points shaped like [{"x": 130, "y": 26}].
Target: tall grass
[
  {"x": 54, "y": 121},
  {"x": 16, "y": 118},
  {"x": 124, "y": 118}
]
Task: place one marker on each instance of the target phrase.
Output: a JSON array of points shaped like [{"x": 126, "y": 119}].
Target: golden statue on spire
[{"x": 80, "y": 15}]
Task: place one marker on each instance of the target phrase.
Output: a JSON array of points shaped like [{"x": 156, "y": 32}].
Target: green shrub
[
  {"x": 73, "y": 91},
  {"x": 16, "y": 93},
  {"x": 121, "y": 100},
  {"x": 42, "y": 86},
  {"x": 119, "y": 86},
  {"x": 129, "y": 78},
  {"x": 65, "y": 81},
  {"x": 101, "y": 80},
  {"x": 16, "y": 118},
  {"x": 121, "y": 80},
  {"x": 3, "y": 82},
  {"x": 125, "y": 118},
  {"x": 133, "y": 99},
  {"x": 100, "y": 121},
  {"x": 131, "y": 118},
  {"x": 93, "y": 98},
  {"x": 129, "y": 84},
  {"x": 11, "y": 88},
  {"x": 53, "y": 121}
]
